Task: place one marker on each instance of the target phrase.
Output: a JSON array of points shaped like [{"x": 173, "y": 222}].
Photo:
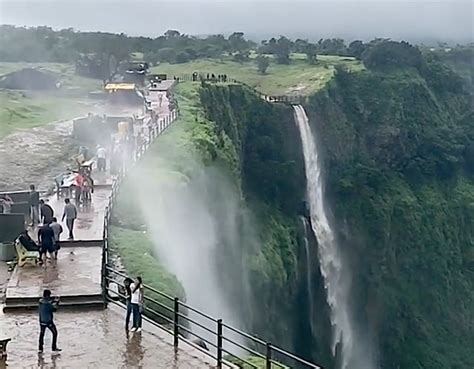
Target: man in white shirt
[{"x": 101, "y": 158}]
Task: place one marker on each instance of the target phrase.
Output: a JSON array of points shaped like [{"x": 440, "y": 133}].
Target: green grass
[
  {"x": 27, "y": 109},
  {"x": 21, "y": 110},
  {"x": 256, "y": 361},
  {"x": 136, "y": 251},
  {"x": 164, "y": 161},
  {"x": 297, "y": 78}
]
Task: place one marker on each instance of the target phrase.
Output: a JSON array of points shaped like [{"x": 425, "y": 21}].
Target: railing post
[
  {"x": 269, "y": 356},
  {"x": 219, "y": 343},
  {"x": 176, "y": 322}
]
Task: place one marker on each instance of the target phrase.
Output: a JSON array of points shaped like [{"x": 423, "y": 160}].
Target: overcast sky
[{"x": 450, "y": 20}]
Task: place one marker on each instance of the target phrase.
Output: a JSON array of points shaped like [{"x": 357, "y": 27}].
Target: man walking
[
  {"x": 47, "y": 306},
  {"x": 33, "y": 201},
  {"x": 47, "y": 212},
  {"x": 57, "y": 229},
  {"x": 70, "y": 213}
]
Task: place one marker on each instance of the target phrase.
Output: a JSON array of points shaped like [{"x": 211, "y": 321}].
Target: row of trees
[
  {"x": 98, "y": 54},
  {"x": 43, "y": 44}
]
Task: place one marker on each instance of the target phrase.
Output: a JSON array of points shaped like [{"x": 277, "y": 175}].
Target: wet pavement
[
  {"x": 95, "y": 339},
  {"x": 77, "y": 272},
  {"x": 89, "y": 338},
  {"x": 4, "y": 275},
  {"x": 89, "y": 224}
]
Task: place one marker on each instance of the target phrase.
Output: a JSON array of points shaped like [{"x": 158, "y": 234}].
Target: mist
[
  {"x": 194, "y": 224},
  {"x": 417, "y": 21}
]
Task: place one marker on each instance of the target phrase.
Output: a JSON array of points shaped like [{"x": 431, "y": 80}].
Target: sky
[{"x": 418, "y": 20}]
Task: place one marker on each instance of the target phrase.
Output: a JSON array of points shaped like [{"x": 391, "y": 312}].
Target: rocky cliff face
[
  {"x": 398, "y": 155},
  {"x": 262, "y": 143}
]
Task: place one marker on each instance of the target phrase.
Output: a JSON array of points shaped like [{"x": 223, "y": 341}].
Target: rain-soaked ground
[
  {"x": 77, "y": 272},
  {"x": 94, "y": 339},
  {"x": 35, "y": 156}
]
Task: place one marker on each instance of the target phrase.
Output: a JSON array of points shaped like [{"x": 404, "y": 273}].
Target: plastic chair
[{"x": 23, "y": 255}]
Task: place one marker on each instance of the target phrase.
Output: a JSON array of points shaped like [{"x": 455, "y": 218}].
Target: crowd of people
[
  {"x": 208, "y": 77},
  {"x": 49, "y": 229},
  {"x": 79, "y": 185}
]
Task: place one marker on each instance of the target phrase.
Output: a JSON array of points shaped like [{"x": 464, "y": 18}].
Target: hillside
[
  {"x": 296, "y": 78},
  {"x": 398, "y": 160},
  {"x": 397, "y": 152}
]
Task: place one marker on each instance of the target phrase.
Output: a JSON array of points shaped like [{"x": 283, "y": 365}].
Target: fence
[
  {"x": 286, "y": 99},
  {"x": 161, "y": 125},
  {"x": 223, "y": 335}
]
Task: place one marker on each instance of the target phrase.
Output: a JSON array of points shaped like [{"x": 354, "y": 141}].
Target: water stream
[{"x": 336, "y": 277}]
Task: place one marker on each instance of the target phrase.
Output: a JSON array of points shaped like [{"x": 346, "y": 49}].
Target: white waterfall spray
[
  {"x": 336, "y": 278},
  {"x": 309, "y": 269}
]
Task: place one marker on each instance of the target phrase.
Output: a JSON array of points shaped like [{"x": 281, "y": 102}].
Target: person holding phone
[
  {"x": 47, "y": 306},
  {"x": 136, "y": 301}
]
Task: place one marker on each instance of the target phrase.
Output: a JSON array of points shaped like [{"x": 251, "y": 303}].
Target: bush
[{"x": 388, "y": 54}]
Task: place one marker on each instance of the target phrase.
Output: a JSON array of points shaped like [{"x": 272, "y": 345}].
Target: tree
[
  {"x": 171, "y": 33},
  {"x": 282, "y": 50},
  {"x": 300, "y": 45},
  {"x": 242, "y": 56},
  {"x": 263, "y": 62},
  {"x": 237, "y": 41},
  {"x": 167, "y": 54},
  {"x": 332, "y": 46},
  {"x": 356, "y": 49},
  {"x": 311, "y": 52},
  {"x": 182, "y": 57},
  {"x": 386, "y": 54}
]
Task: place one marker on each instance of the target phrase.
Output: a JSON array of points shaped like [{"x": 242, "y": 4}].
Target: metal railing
[
  {"x": 174, "y": 316},
  {"x": 155, "y": 130},
  {"x": 286, "y": 99},
  {"x": 223, "y": 339}
]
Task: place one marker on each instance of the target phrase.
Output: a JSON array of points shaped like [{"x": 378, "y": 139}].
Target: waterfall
[
  {"x": 309, "y": 269},
  {"x": 336, "y": 277}
]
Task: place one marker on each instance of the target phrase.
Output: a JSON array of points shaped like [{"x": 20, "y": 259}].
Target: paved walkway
[
  {"x": 95, "y": 339},
  {"x": 74, "y": 276},
  {"x": 89, "y": 224}
]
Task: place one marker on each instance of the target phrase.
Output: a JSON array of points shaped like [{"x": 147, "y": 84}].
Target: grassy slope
[
  {"x": 22, "y": 109},
  {"x": 297, "y": 78},
  {"x": 128, "y": 236},
  {"x": 136, "y": 252}
]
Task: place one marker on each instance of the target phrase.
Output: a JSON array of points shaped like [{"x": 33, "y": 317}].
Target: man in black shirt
[
  {"x": 46, "y": 240},
  {"x": 47, "y": 306},
  {"x": 47, "y": 212}
]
